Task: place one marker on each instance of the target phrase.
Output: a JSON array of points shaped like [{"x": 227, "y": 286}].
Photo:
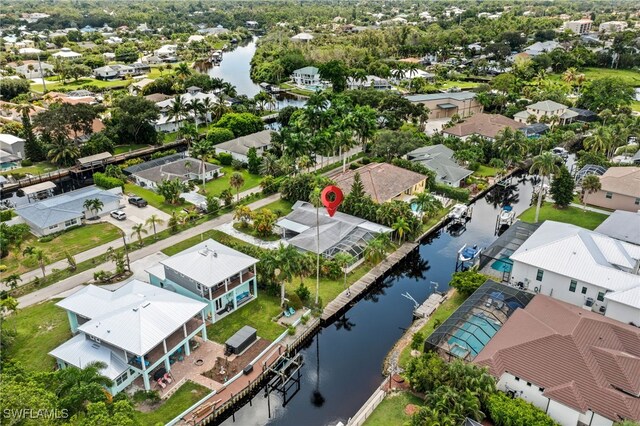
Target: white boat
[
  {"x": 507, "y": 215},
  {"x": 458, "y": 212},
  {"x": 545, "y": 189},
  {"x": 468, "y": 253}
]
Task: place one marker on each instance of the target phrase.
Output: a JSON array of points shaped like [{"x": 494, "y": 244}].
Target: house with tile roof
[
  {"x": 583, "y": 268},
  {"x": 486, "y": 125},
  {"x": 580, "y": 367},
  {"x": 383, "y": 182},
  {"x": 620, "y": 189},
  {"x": 134, "y": 330},
  {"x": 439, "y": 158},
  {"x": 222, "y": 278}
]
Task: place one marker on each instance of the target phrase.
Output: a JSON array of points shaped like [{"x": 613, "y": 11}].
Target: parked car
[
  {"x": 118, "y": 214},
  {"x": 138, "y": 201}
]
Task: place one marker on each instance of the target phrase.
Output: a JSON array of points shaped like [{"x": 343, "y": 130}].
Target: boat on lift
[
  {"x": 459, "y": 211},
  {"x": 507, "y": 216},
  {"x": 469, "y": 253}
]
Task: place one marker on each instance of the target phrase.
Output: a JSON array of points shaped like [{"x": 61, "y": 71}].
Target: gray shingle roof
[
  {"x": 176, "y": 170},
  {"x": 242, "y": 144},
  {"x": 439, "y": 159},
  {"x": 623, "y": 226},
  {"x": 63, "y": 207}
]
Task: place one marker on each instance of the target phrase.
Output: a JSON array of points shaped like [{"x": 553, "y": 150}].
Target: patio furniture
[
  {"x": 167, "y": 378},
  {"x": 286, "y": 313},
  {"x": 161, "y": 383},
  {"x": 291, "y": 310}
]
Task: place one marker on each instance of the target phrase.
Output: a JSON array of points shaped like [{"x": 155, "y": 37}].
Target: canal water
[
  {"x": 343, "y": 362},
  {"x": 235, "y": 69}
]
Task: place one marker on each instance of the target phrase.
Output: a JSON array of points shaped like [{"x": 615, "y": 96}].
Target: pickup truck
[{"x": 138, "y": 201}]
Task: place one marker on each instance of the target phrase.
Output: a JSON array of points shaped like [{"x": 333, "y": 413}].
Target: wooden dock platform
[
  {"x": 358, "y": 288},
  {"x": 431, "y": 304}
]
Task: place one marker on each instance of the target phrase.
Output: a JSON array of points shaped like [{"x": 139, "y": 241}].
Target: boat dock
[
  {"x": 357, "y": 289},
  {"x": 429, "y": 306}
]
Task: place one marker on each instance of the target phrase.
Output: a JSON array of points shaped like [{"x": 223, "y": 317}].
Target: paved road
[{"x": 49, "y": 292}]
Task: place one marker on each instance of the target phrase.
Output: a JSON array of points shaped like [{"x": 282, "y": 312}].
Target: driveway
[
  {"x": 138, "y": 215},
  {"x": 435, "y": 126}
]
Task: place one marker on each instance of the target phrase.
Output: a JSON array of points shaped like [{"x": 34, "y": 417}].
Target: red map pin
[{"x": 331, "y": 198}]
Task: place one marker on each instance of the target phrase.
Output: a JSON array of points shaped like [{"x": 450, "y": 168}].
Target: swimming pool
[
  {"x": 7, "y": 166},
  {"x": 472, "y": 336},
  {"x": 504, "y": 264},
  {"x": 414, "y": 207}
]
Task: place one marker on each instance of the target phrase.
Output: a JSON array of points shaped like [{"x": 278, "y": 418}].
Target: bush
[
  {"x": 294, "y": 301},
  {"x": 418, "y": 168},
  {"x": 46, "y": 238},
  {"x": 417, "y": 341},
  {"x": 106, "y": 182},
  {"x": 237, "y": 164},
  {"x": 161, "y": 154},
  {"x": 466, "y": 282},
  {"x": 304, "y": 319},
  {"x": 142, "y": 395},
  {"x": 458, "y": 194},
  {"x": 217, "y": 135},
  {"x": 291, "y": 330},
  {"x": 497, "y": 163},
  {"x": 225, "y": 159},
  {"x": 5, "y": 215},
  {"x": 505, "y": 411},
  {"x": 473, "y": 166},
  {"x": 26, "y": 163},
  {"x": 303, "y": 293}
]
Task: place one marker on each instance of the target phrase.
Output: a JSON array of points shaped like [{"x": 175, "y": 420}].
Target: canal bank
[{"x": 343, "y": 361}]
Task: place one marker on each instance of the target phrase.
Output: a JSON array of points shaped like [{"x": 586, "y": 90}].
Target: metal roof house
[
  {"x": 581, "y": 267},
  {"x": 623, "y": 226},
  {"x": 439, "y": 158},
  {"x": 149, "y": 174},
  {"x": 219, "y": 276},
  {"x": 577, "y": 366},
  {"x": 342, "y": 232},
  {"x": 133, "y": 330},
  {"x": 446, "y": 105},
  {"x": 64, "y": 211}
]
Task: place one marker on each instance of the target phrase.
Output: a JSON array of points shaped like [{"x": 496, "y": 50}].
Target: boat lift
[
  {"x": 286, "y": 374},
  {"x": 506, "y": 217},
  {"x": 467, "y": 257}
]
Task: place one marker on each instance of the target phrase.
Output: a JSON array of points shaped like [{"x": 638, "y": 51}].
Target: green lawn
[
  {"x": 248, "y": 230},
  {"x": 635, "y": 105},
  {"x": 216, "y": 186},
  {"x": 74, "y": 85},
  {"x": 35, "y": 169},
  {"x": 154, "y": 199},
  {"x": 486, "y": 171},
  {"x": 280, "y": 207},
  {"x": 435, "y": 219},
  {"x": 214, "y": 234},
  {"x": 126, "y": 148},
  {"x": 40, "y": 328},
  {"x": 447, "y": 84},
  {"x": 257, "y": 314},
  {"x": 74, "y": 241},
  {"x": 390, "y": 412},
  {"x": 631, "y": 77},
  {"x": 443, "y": 312},
  {"x": 188, "y": 394},
  {"x": 573, "y": 215}
]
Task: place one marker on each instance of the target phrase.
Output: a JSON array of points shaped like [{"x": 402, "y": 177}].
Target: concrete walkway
[
  {"x": 53, "y": 290},
  {"x": 591, "y": 209}
]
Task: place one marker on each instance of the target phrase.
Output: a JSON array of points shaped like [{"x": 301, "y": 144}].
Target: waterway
[
  {"x": 343, "y": 362},
  {"x": 235, "y": 69}
]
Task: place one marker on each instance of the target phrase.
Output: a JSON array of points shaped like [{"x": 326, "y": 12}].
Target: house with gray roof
[
  {"x": 222, "y": 278},
  {"x": 135, "y": 330},
  {"x": 340, "y": 233},
  {"x": 67, "y": 210},
  {"x": 446, "y": 105},
  {"x": 149, "y": 174},
  {"x": 623, "y": 226},
  {"x": 439, "y": 158},
  {"x": 239, "y": 147},
  {"x": 548, "y": 110},
  {"x": 307, "y": 76}
]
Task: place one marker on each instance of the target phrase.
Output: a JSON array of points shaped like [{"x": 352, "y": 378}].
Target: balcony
[
  {"x": 230, "y": 286},
  {"x": 174, "y": 339}
]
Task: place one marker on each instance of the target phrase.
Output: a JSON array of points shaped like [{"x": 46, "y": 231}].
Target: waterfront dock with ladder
[{"x": 357, "y": 289}]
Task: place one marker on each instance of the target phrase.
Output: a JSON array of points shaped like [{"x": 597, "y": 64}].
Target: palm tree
[
  {"x": 343, "y": 259},
  {"x": 219, "y": 108},
  {"x": 427, "y": 204},
  {"x": 196, "y": 108},
  {"x": 63, "y": 153},
  {"x": 605, "y": 115},
  {"x": 138, "y": 230},
  {"x": 188, "y": 132},
  {"x": 600, "y": 140},
  {"x": 177, "y": 111},
  {"x": 512, "y": 145},
  {"x": 152, "y": 221},
  {"x": 38, "y": 255},
  {"x": 401, "y": 227},
  {"x": 182, "y": 71},
  {"x": 207, "y": 109},
  {"x": 376, "y": 248},
  {"x": 545, "y": 165},
  {"x": 11, "y": 281},
  {"x": 236, "y": 181},
  {"x": 201, "y": 150},
  {"x": 590, "y": 184},
  {"x": 93, "y": 205},
  {"x": 398, "y": 74},
  {"x": 76, "y": 386},
  {"x": 269, "y": 165}
]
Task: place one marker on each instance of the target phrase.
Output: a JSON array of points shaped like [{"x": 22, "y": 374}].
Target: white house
[
  {"x": 302, "y": 37},
  {"x": 67, "y": 210},
  {"x": 546, "y": 109},
  {"x": 581, "y": 267},
  {"x": 11, "y": 148},
  {"x": 31, "y": 69},
  {"x": 166, "y": 50},
  {"x": 134, "y": 330},
  {"x": 166, "y": 123},
  {"x": 371, "y": 81},
  {"x": 307, "y": 76},
  {"x": 67, "y": 54},
  {"x": 150, "y": 173},
  {"x": 239, "y": 147},
  {"x": 579, "y": 367}
]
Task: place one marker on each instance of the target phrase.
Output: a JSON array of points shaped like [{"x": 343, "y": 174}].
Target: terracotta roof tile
[
  {"x": 582, "y": 359},
  {"x": 382, "y": 181}
]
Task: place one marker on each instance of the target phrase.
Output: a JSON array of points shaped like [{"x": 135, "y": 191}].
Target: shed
[{"x": 241, "y": 340}]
